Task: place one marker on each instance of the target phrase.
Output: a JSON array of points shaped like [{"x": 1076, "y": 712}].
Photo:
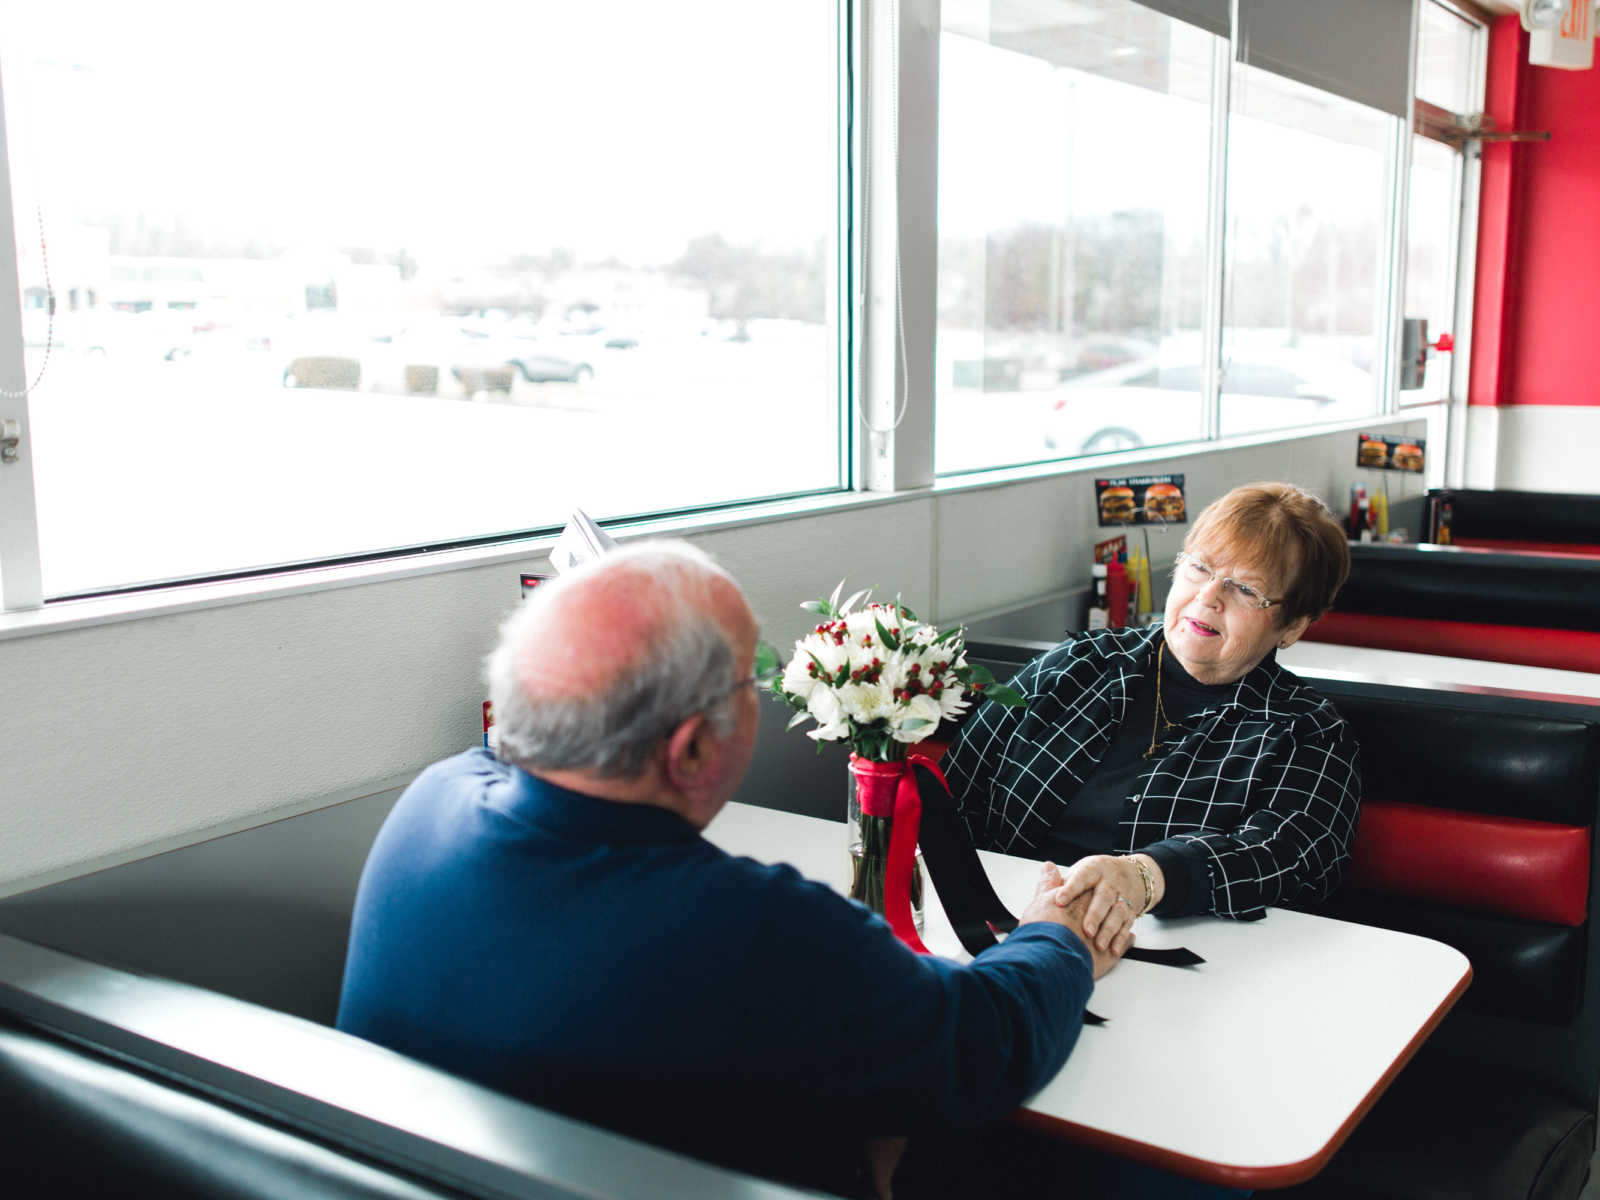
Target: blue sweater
[{"x": 607, "y": 961}]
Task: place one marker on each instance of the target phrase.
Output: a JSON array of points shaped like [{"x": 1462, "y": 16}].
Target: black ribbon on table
[{"x": 968, "y": 897}]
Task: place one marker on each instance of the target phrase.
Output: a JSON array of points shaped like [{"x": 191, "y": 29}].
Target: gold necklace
[{"x": 1159, "y": 720}]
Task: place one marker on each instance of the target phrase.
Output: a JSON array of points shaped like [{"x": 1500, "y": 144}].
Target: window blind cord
[
  {"x": 50, "y": 316},
  {"x": 866, "y": 208}
]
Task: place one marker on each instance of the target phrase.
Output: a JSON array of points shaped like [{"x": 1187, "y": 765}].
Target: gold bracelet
[{"x": 1144, "y": 878}]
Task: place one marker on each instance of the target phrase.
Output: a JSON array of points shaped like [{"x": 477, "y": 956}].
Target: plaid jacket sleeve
[
  {"x": 972, "y": 762},
  {"x": 1293, "y": 846}
]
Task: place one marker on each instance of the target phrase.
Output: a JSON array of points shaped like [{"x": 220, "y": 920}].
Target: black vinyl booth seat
[
  {"x": 1541, "y": 610},
  {"x": 114, "y": 1084},
  {"x": 1444, "y": 583},
  {"x": 1513, "y": 519},
  {"x": 1477, "y": 830}
]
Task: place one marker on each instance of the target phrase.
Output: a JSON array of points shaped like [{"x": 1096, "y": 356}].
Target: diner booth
[{"x": 168, "y": 1021}]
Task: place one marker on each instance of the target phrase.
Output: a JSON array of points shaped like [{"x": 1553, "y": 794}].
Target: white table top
[
  {"x": 1406, "y": 668},
  {"x": 1249, "y": 1070}
]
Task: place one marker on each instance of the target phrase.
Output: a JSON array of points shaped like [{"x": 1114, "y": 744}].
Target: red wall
[{"x": 1536, "y": 325}]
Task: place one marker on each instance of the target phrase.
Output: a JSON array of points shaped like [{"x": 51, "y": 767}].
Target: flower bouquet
[{"x": 878, "y": 678}]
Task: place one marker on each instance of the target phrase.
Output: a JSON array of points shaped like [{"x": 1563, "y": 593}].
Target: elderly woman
[{"x": 1217, "y": 780}]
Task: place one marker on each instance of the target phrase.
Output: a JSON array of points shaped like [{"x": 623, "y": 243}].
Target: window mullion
[
  {"x": 20, "y": 582},
  {"x": 1392, "y": 321},
  {"x": 1216, "y": 241},
  {"x": 900, "y": 251}
]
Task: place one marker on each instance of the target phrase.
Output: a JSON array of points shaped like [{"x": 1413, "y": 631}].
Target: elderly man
[{"x": 553, "y": 924}]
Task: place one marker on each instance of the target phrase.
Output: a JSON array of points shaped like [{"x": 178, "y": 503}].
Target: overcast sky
[
  {"x": 487, "y": 127},
  {"x": 614, "y": 128}
]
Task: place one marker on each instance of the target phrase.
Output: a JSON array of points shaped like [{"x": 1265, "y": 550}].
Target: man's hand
[{"x": 1052, "y": 902}]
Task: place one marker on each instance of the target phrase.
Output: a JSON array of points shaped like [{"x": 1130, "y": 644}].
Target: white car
[{"x": 1154, "y": 403}]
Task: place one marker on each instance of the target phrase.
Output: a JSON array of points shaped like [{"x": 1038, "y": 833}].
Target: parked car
[
  {"x": 536, "y": 360},
  {"x": 541, "y": 367},
  {"x": 1152, "y": 402}
]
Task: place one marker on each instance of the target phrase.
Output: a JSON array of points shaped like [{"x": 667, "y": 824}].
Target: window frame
[
  {"x": 1456, "y": 130},
  {"x": 881, "y": 327}
]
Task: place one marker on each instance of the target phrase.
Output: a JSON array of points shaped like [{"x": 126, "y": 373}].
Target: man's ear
[{"x": 687, "y": 752}]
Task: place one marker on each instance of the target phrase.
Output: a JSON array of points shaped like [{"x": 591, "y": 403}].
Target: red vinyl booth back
[
  {"x": 1536, "y": 870},
  {"x": 1563, "y": 649}
]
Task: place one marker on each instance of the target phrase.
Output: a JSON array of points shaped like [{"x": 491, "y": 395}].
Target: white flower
[
  {"x": 831, "y": 656},
  {"x": 924, "y": 707},
  {"x": 863, "y": 624},
  {"x": 824, "y": 707},
  {"x": 829, "y": 733},
  {"x": 953, "y": 700},
  {"x": 798, "y": 679},
  {"x": 865, "y": 703}
]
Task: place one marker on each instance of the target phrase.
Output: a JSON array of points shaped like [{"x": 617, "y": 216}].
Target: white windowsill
[{"x": 63, "y": 615}]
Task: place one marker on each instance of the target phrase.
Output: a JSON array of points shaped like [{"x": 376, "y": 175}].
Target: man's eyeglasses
[
  {"x": 1200, "y": 573},
  {"x": 767, "y": 668}
]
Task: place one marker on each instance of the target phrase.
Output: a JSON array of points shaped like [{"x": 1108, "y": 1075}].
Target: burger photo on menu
[
  {"x": 1116, "y": 504},
  {"x": 1407, "y": 457},
  {"x": 1164, "y": 501},
  {"x": 1374, "y": 452}
]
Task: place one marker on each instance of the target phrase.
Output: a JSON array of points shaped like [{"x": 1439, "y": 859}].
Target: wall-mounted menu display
[
  {"x": 1379, "y": 452},
  {"x": 1141, "y": 500}
]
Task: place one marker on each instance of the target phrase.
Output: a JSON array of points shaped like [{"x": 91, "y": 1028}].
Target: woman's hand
[
  {"x": 1117, "y": 896},
  {"x": 1052, "y": 902}
]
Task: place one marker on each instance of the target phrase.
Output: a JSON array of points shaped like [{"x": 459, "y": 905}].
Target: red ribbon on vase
[{"x": 890, "y": 790}]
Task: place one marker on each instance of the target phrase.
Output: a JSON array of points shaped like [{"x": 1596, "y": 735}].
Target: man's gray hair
[{"x": 687, "y": 669}]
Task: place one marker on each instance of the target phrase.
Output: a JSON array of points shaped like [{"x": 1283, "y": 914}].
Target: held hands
[
  {"x": 1054, "y": 900},
  {"x": 1119, "y": 892}
]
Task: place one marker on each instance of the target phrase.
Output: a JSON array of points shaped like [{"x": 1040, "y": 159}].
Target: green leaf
[
  {"x": 952, "y": 632},
  {"x": 905, "y": 612},
  {"x": 850, "y": 604},
  {"x": 833, "y": 600},
  {"x": 802, "y": 715},
  {"x": 890, "y": 642},
  {"x": 767, "y": 662},
  {"x": 1001, "y": 694},
  {"x": 975, "y": 673},
  {"x": 821, "y": 607},
  {"x": 916, "y": 722}
]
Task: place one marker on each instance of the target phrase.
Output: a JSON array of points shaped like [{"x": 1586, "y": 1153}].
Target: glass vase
[{"x": 868, "y": 829}]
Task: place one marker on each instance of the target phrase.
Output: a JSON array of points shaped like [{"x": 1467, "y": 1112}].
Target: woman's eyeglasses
[{"x": 1200, "y": 573}]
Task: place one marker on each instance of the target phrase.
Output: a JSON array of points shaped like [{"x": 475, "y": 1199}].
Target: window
[
  {"x": 1450, "y": 83},
  {"x": 1309, "y": 186},
  {"x": 1431, "y": 239},
  {"x": 1073, "y": 158},
  {"x": 1447, "y": 49},
  {"x": 319, "y": 289},
  {"x": 346, "y": 286}
]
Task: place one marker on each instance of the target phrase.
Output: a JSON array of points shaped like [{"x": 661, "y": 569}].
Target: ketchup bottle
[{"x": 1116, "y": 595}]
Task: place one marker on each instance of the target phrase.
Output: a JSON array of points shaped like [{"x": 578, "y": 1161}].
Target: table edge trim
[{"x": 1228, "y": 1174}]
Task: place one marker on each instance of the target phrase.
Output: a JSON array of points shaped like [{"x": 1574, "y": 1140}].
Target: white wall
[
  {"x": 124, "y": 738},
  {"x": 1535, "y": 447}
]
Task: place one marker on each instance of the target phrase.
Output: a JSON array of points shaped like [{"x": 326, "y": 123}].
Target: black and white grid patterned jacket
[{"x": 1261, "y": 792}]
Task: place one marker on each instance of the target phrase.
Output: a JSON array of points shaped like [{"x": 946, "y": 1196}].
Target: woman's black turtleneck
[{"x": 1088, "y": 824}]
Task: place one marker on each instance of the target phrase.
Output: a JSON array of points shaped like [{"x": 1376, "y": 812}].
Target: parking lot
[{"x": 149, "y": 469}]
